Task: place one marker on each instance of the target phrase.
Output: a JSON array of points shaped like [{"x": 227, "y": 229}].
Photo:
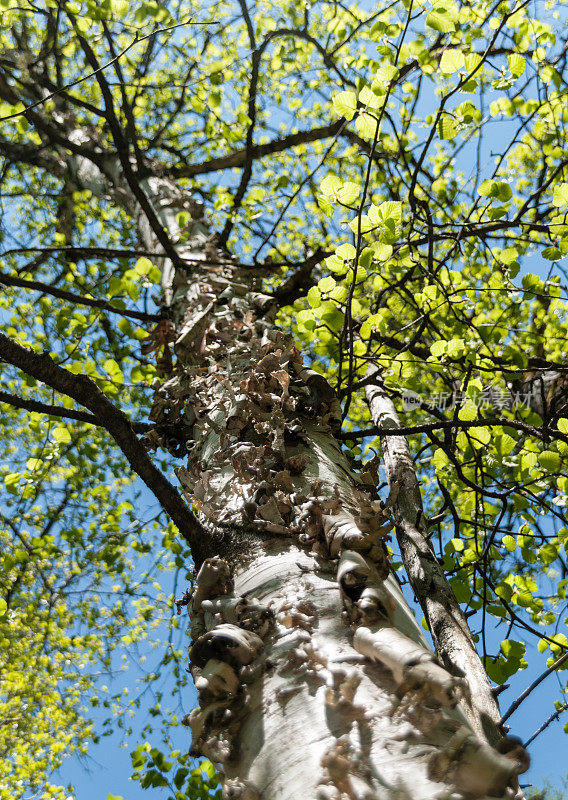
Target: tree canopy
[{"x": 398, "y": 176}]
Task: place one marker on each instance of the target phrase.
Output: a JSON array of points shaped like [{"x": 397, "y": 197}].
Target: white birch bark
[
  {"x": 452, "y": 637},
  {"x": 314, "y": 679}
]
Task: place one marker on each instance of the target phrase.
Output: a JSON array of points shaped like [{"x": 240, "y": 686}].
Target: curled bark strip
[
  {"x": 223, "y": 609},
  {"x": 201, "y": 719},
  {"x": 213, "y": 579},
  {"x": 354, "y": 574},
  {"x": 257, "y": 618},
  {"x": 473, "y": 767},
  {"x": 342, "y": 532},
  {"x": 236, "y": 789},
  {"x": 376, "y": 604},
  {"x": 322, "y": 397},
  {"x": 391, "y": 647},
  {"x": 513, "y": 748},
  {"x": 217, "y": 679},
  {"x": 227, "y": 643},
  {"x": 341, "y": 686},
  {"x": 434, "y": 685},
  {"x": 252, "y": 616},
  {"x": 344, "y": 774}
]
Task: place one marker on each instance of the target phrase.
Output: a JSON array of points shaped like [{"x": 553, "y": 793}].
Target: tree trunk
[{"x": 314, "y": 678}]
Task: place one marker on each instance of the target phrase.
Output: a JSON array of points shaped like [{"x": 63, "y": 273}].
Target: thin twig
[
  {"x": 513, "y": 707},
  {"x": 61, "y": 412},
  {"x": 79, "y": 299},
  {"x": 545, "y": 725}
]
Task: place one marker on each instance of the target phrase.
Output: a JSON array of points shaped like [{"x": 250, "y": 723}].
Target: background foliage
[{"x": 398, "y": 175}]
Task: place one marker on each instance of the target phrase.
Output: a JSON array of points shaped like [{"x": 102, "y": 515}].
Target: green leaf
[
  {"x": 111, "y": 367},
  {"x": 348, "y": 193},
  {"x": 505, "y": 591},
  {"x": 346, "y": 251},
  {"x": 314, "y": 297},
  {"x": 468, "y": 411},
  {"x": 498, "y": 189},
  {"x": 563, "y": 425},
  {"x": 524, "y": 599},
  {"x": 208, "y": 768},
  {"x": 560, "y": 197},
  {"x": 509, "y": 543},
  {"x": 180, "y": 777},
  {"x": 391, "y": 210},
  {"x": 447, "y": 128},
  {"x": 61, "y": 435},
  {"x": 439, "y": 459},
  {"x": 366, "y": 257},
  {"x": 3, "y": 607},
  {"x": 455, "y": 347},
  {"x": 438, "y": 348},
  {"x": 504, "y": 192},
  {"x": 508, "y": 255},
  {"x": 495, "y": 671},
  {"x": 325, "y": 205},
  {"x": 481, "y": 435},
  {"x": 143, "y": 266},
  {"x": 549, "y": 460},
  {"x": 452, "y": 61},
  {"x": 331, "y": 185},
  {"x": 386, "y": 74},
  {"x": 326, "y": 284},
  {"x": 547, "y": 554},
  {"x": 383, "y": 251},
  {"x": 442, "y": 19},
  {"x": 345, "y": 104},
  {"x": 512, "y": 649},
  {"x": 551, "y": 253},
  {"x": 366, "y": 125},
  {"x": 370, "y": 99},
  {"x": 461, "y": 590},
  {"x": 339, "y": 293},
  {"x": 516, "y": 64}
]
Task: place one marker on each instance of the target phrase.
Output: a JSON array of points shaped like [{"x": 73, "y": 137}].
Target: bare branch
[
  {"x": 523, "y": 696},
  {"x": 62, "y": 412},
  {"x": 73, "y": 297},
  {"x": 86, "y": 392}
]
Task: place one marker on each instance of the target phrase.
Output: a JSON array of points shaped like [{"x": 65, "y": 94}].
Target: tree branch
[
  {"x": 545, "y": 725},
  {"x": 122, "y": 150},
  {"x": 39, "y": 286},
  {"x": 428, "y": 427},
  {"x": 62, "y": 412},
  {"x": 450, "y": 632},
  {"x": 523, "y": 696},
  {"x": 85, "y": 391},
  {"x": 295, "y": 285},
  {"x": 238, "y": 157}
]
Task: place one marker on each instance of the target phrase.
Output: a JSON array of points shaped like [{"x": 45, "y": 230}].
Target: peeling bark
[{"x": 314, "y": 678}]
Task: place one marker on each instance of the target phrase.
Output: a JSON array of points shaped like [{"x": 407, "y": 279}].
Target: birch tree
[{"x": 267, "y": 262}]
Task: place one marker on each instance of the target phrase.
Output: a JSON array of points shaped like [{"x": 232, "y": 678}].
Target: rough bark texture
[
  {"x": 450, "y": 632},
  {"x": 314, "y": 679}
]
